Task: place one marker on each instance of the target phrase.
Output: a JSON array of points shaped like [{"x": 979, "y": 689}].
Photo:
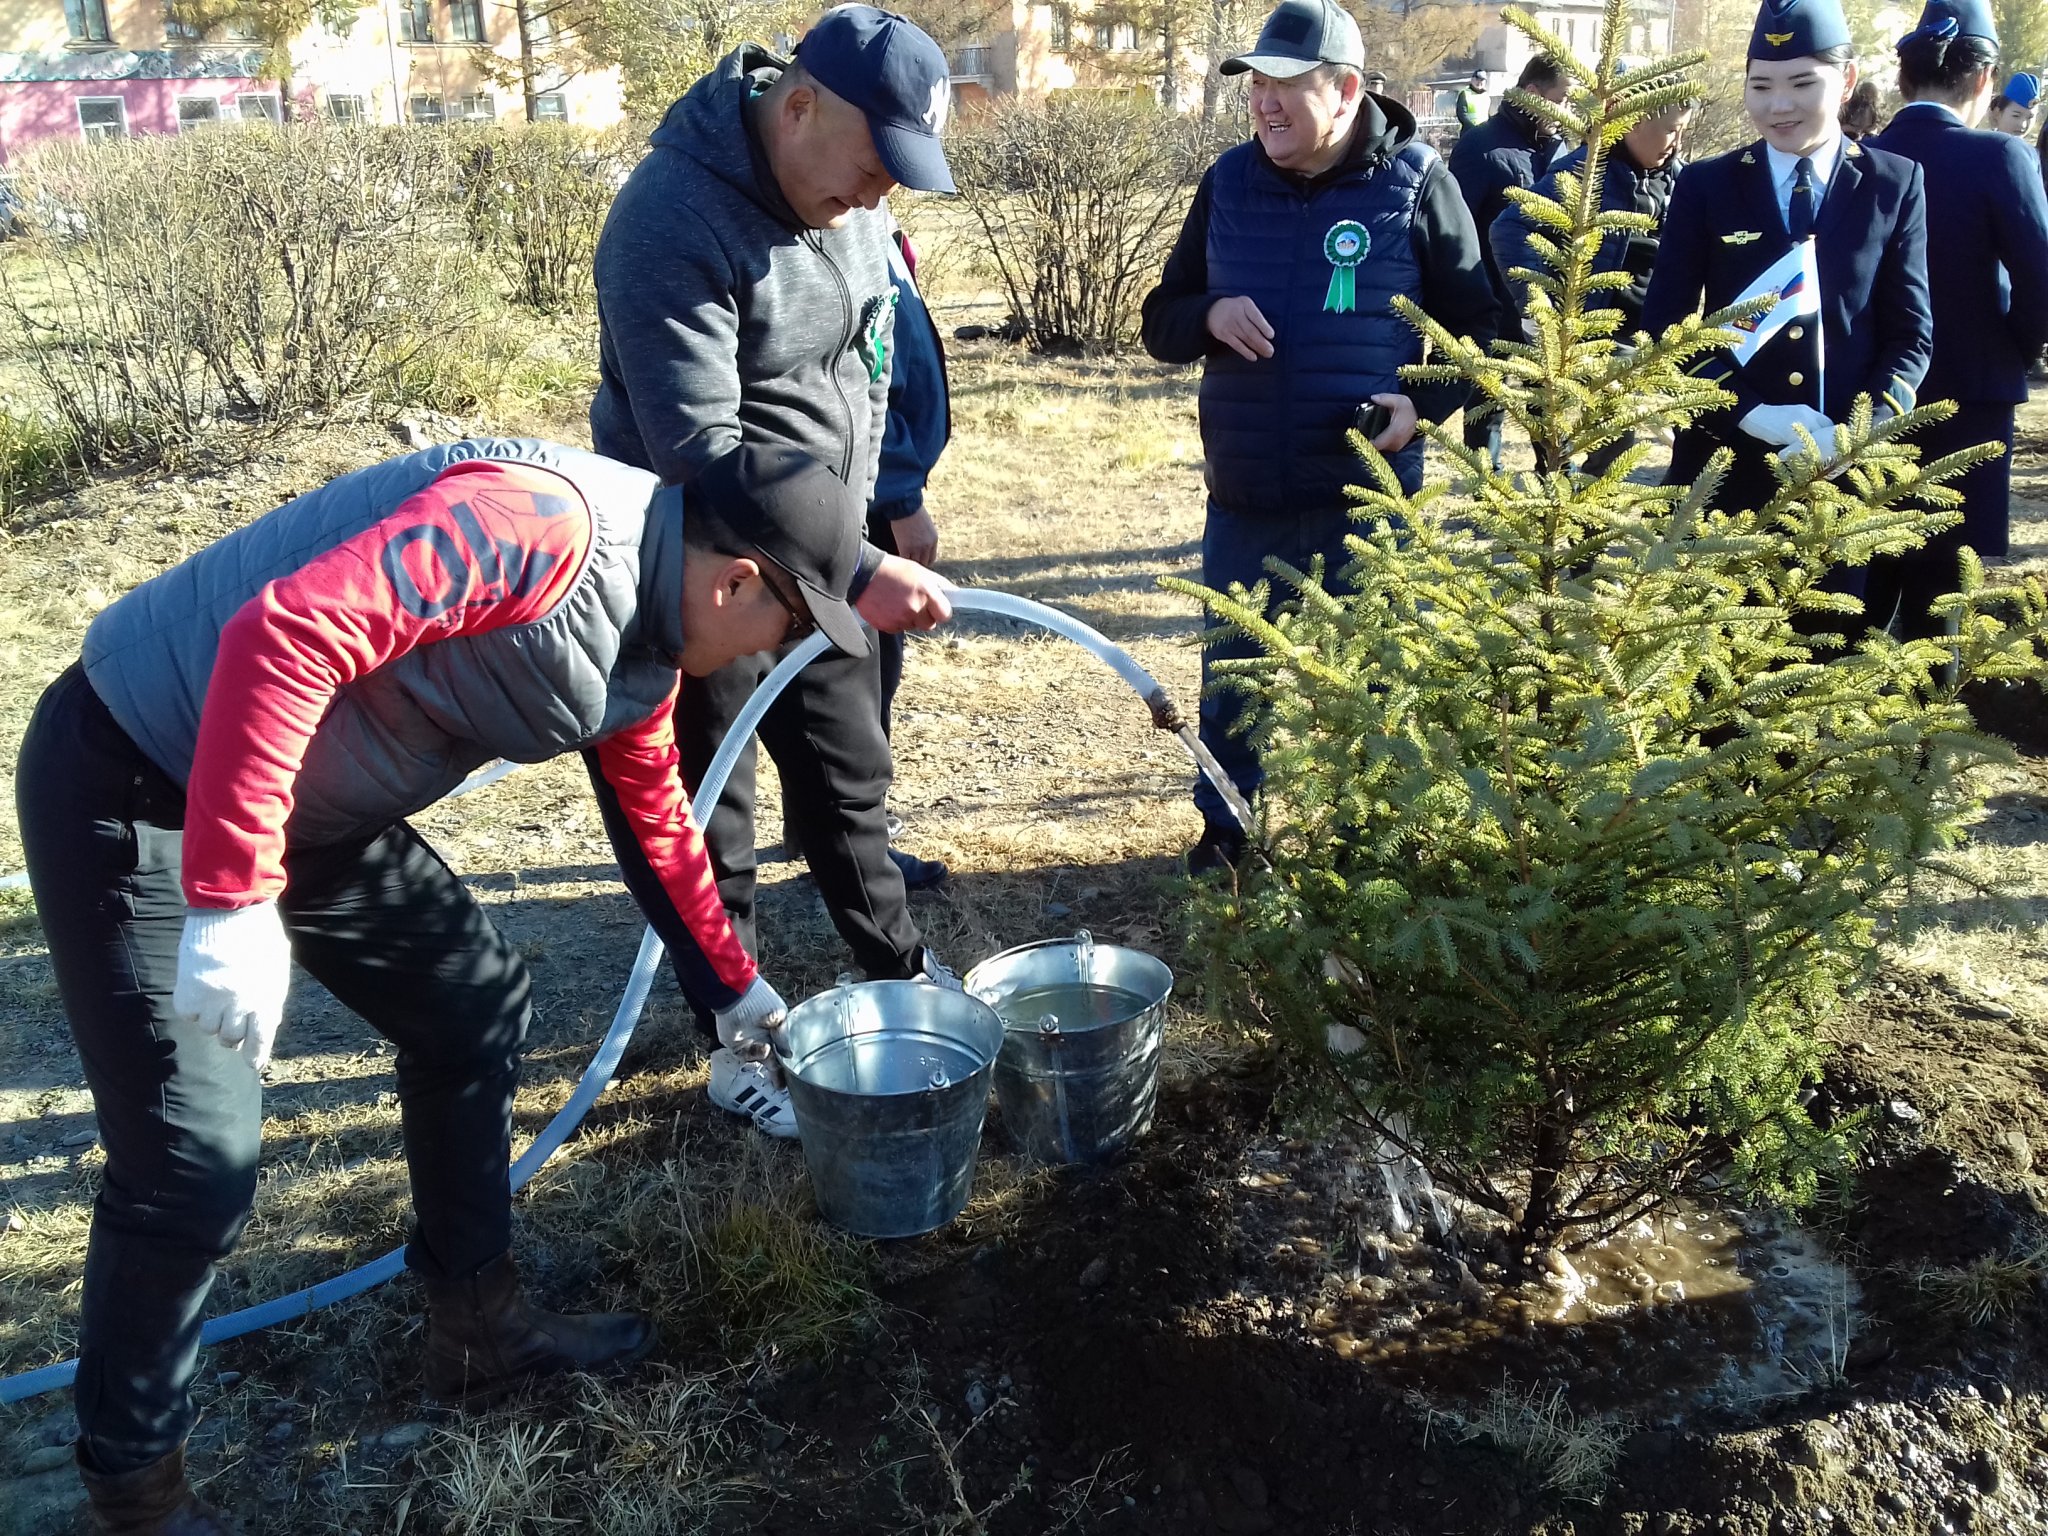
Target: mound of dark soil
[{"x": 1138, "y": 1343}]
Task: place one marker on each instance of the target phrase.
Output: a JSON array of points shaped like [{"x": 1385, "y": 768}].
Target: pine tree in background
[{"x": 1573, "y": 840}]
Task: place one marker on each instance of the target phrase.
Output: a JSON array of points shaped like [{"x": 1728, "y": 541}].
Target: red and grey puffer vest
[{"x": 400, "y": 738}]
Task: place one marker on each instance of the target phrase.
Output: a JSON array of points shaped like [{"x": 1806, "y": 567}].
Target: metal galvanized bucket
[
  {"x": 1083, "y": 1027},
  {"x": 890, "y": 1081}
]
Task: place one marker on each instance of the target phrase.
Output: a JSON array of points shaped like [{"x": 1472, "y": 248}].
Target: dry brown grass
[
  {"x": 1993, "y": 1289},
  {"x": 1563, "y": 1452}
]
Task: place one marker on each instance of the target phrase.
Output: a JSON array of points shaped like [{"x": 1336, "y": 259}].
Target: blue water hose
[{"x": 597, "y": 1076}]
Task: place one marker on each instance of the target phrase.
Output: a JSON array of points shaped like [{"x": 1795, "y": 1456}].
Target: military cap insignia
[
  {"x": 1777, "y": 39},
  {"x": 1742, "y": 236}
]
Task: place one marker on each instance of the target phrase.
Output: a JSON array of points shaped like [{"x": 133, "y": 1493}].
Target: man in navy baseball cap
[{"x": 882, "y": 64}]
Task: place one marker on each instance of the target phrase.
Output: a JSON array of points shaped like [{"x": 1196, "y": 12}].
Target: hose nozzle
[{"x": 1166, "y": 714}]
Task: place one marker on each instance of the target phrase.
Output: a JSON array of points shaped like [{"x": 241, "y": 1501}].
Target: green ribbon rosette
[
  {"x": 874, "y": 351},
  {"x": 1344, "y": 247}
]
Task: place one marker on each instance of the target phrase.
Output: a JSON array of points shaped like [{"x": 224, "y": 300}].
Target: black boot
[
  {"x": 1219, "y": 848},
  {"x": 484, "y": 1338},
  {"x": 150, "y": 1501}
]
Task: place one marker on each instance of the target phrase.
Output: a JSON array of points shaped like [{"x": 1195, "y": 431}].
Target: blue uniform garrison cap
[
  {"x": 2022, "y": 90},
  {"x": 1946, "y": 19},
  {"x": 1793, "y": 29}
]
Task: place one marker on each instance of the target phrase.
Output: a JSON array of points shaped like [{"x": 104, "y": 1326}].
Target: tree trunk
[
  {"x": 1547, "y": 1169},
  {"x": 1169, "y": 69},
  {"x": 1212, "y": 83},
  {"x": 529, "y": 66},
  {"x": 280, "y": 64}
]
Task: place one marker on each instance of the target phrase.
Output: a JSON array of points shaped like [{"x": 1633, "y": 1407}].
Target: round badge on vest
[{"x": 1345, "y": 246}]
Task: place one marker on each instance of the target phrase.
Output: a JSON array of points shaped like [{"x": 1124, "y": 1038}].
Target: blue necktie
[{"x": 1799, "y": 219}]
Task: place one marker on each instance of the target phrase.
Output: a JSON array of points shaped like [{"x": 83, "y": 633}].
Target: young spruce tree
[{"x": 1572, "y": 840}]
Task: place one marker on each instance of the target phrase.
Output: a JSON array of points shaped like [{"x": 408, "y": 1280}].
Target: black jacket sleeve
[
  {"x": 1456, "y": 292},
  {"x": 1175, "y": 325}
]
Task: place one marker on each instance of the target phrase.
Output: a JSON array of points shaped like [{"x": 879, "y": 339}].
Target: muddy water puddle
[{"x": 1695, "y": 1309}]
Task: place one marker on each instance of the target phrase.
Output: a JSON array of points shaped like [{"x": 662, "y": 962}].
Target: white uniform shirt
[{"x": 1785, "y": 171}]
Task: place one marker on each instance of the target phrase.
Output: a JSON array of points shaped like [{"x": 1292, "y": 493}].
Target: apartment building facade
[
  {"x": 1580, "y": 26},
  {"x": 1034, "y": 50},
  {"x": 75, "y": 69}
]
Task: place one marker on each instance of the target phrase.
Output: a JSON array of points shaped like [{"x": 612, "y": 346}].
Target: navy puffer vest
[
  {"x": 1274, "y": 432},
  {"x": 399, "y": 739}
]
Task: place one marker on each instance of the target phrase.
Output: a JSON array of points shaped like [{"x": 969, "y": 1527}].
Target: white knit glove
[
  {"x": 744, "y": 1027},
  {"x": 1779, "y": 426},
  {"x": 233, "y": 968}
]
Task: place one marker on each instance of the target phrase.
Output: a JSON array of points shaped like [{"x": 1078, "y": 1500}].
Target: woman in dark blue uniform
[
  {"x": 1733, "y": 216},
  {"x": 1987, "y": 264}
]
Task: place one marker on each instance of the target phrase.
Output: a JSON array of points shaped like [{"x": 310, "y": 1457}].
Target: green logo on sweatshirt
[{"x": 874, "y": 348}]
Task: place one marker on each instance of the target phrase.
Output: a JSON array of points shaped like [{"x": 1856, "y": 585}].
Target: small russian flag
[{"x": 1794, "y": 281}]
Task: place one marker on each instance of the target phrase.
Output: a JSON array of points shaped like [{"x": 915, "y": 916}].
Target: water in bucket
[
  {"x": 1073, "y": 1005},
  {"x": 1083, "y": 1027},
  {"x": 890, "y": 1082}
]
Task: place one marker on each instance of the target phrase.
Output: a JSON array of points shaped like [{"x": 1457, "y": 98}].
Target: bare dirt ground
[{"x": 1216, "y": 1335}]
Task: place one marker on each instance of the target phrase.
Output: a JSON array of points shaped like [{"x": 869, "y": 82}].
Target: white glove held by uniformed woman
[
  {"x": 1778, "y": 425},
  {"x": 233, "y": 969},
  {"x": 743, "y": 1028}
]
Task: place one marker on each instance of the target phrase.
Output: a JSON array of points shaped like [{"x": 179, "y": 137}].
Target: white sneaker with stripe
[{"x": 753, "y": 1089}]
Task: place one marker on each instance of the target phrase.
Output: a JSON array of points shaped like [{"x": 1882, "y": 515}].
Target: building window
[
  {"x": 102, "y": 117},
  {"x": 416, "y": 21},
  {"x": 424, "y": 109},
  {"x": 176, "y": 31},
  {"x": 88, "y": 22},
  {"x": 1062, "y": 30},
  {"x": 260, "y": 107},
  {"x": 1124, "y": 37},
  {"x": 240, "y": 29},
  {"x": 466, "y": 20},
  {"x": 551, "y": 108},
  {"x": 345, "y": 109},
  {"x": 198, "y": 112},
  {"x": 481, "y": 107}
]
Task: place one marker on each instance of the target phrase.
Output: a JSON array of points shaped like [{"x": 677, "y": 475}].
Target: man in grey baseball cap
[
  {"x": 1281, "y": 285},
  {"x": 1297, "y": 37}
]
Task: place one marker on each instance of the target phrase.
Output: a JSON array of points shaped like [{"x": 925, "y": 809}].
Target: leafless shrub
[
  {"x": 1078, "y": 199},
  {"x": 169, "y": 282},
  {"x": 100, "y": 293},
  {"x": 535, "y": 198}
]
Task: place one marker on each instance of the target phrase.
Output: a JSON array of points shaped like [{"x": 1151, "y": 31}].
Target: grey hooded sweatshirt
[{"x": 721, "y": 317}]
